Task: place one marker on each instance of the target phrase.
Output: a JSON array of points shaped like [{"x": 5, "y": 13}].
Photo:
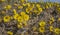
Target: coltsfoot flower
[
  {"x": 51, "y": 28},
  {"x": 20, "y": 19},
  {"x": 57, "y": 30},
  {"x": 6, "y": 18},
  {"x": 26, "y": 17},
  {"x": 8, "y": 7},
  {"x": 42, "y": 23},
  {"x": 42, "y": 29}
]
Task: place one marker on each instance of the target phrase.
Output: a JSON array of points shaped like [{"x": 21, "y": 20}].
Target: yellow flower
[
  {"x": 33, "y": 5},
  {"x": 42, "y": 23},
  {"x": 28, "y": 4},
  {"x": 42, "y": 29},
  {"x": 30, "y": 8},
  {"x": 27, "y": 10},
  {"x": 57, "y": 30},
  {"x": 10, "y": 33},
  {"x": 24, "y": 4},
  {"x": 38, "y": 5},
  {"x": 8, "y": 7},
  {"x": 20, "y": 25},
  {"x": 20, "y": 19},
  {"x": 36, "y": 12},
  {"x": 6, "y": 18},
  {"x": 26, "y": 17},
  {"x": 22, "y": 13},
  {"x": 20, "y": 7},
  {"x": 51, "y": 28},
  {"x": 14, "y": 11},
  {"x": 40, "y": 9},
  {"x": 15, "y": 16}
]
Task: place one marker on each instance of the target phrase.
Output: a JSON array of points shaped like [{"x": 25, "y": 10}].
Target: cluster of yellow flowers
[
  {"x": 24, "y": 15},
  {"x": 21, "y": 17},
  {"x": 42, "y": 26},
  {"x": 52, "y": 29}
]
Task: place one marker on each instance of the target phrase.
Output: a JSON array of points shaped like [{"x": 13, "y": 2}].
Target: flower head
[
  {"x": 15, "y": 16},
  {"x": 8, "y": 7},
  {"x": 51, "y": 28},
  {"x": 6, "y": 18},
  {"x": 42, "y": 29},
  {"x": 20, "y": 19},
  {"x": 42, "y": 23},
  {"x": 57, "y": 30},
  {"x": 26, "y": 17}
]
